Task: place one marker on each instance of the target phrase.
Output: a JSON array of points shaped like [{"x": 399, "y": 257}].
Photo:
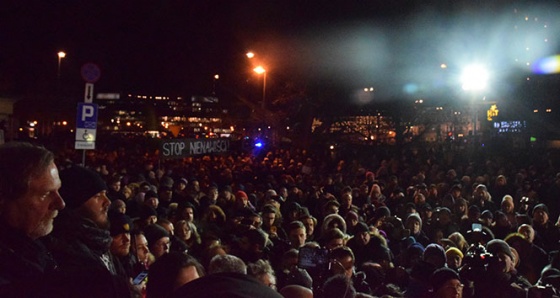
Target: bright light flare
[
  {"x": 259, "y": 70},
  {"x": 474, "y": 77},
  {"x": 547, "y": 65}
]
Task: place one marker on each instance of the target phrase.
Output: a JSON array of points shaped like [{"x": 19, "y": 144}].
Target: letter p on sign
[{"x": 87, "y": 112}]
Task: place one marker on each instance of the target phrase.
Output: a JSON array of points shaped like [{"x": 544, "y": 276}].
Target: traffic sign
[
  {"x": 90, "y": 72},
  {"x": 86, "y": 126}
]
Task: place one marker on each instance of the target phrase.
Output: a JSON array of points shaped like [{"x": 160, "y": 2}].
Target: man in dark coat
[
  {"x": 29, "y": 202},
  {"x": 80, "y": 241}
]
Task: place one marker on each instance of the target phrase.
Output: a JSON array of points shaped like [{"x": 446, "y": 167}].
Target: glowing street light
[
  {"x": 474, "y": 77},
  {"x": 216, "y": 78},
  {"x": 61, "y": 55},
  {"x": 260, "y": 70},
  {"x": 250, "y": 55}
]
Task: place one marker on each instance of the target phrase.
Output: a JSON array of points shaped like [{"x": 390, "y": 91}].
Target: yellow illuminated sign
[{"x": 492, "y": 112}]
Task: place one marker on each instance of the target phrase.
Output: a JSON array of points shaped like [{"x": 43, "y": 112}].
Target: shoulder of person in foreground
[{"x": 226, "y": 285}]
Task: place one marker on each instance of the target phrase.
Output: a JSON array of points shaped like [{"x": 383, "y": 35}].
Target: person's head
[
  {"x": 115, "y": 184},
  {"x": 454, "y": 258},
  {"x": 487, "y": 218},
  {"x": 297, "y": 234},
  {"x": 346, "y": 199},
  {"x": 296, "y": 291},
  {"x": 181, "y": 184},
  {"x": 540, "y": 214},
  {"x": 334, "y": 238},
  {"x": 351, "y": 219},
  {"x": 527, "y": 231},
  {"x": 333, "y": 221},
  {"x": 414, "y": 223},
  {"x": 167, "y": 225},
  {"x": 331, "y": 207},
  {"x": 241, "y": 199},
  {"x": 85, "y": 194},
  {"x": 500, "y": 249},
  {"x": 254, "y": 241},
  {"x": 343, "y": 261},
  {"x": 212, "y": 193},
  {"x": 120, "y": 232},
  {"x": 118, "y": 206},
  {"x": 459, "y": 241},
  {"x": 338, "y": 286},
  {"x": 127, "y": 192},
  {"x": 263, "y": 272},
  {"x": 362, "y": 234},
  {"x": 507, "y": 204},
  {"x": 435, "y": 255},
  {"x": 186, "y": 211},
  {"x": 151, "y": 199},
  {"x": 170, "y": 272},
  {"x": 446, "y": 283},
  {"x": 140, "y": 248},
  {"x": 183, "y": 230},
  {"x": 268, "y": 215},
  {"x": 158, "y": 240},
  {"x": 147, "y": 215},
  {"x": 29, "y": 189},
  {"x": 227, "y": 263}
]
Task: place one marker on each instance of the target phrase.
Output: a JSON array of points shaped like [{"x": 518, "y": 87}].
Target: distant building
[
  {"x": 7, "y": 122},
  {"x": 199, "y": 116}
]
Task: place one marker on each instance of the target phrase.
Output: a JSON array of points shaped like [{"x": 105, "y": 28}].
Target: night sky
[{"x": 175, "y": 47}]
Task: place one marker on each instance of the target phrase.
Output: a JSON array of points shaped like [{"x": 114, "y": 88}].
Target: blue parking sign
[{"x": 86, "y": 126}]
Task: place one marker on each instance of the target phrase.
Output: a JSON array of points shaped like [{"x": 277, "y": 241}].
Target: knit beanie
[
  {"x": 153, "y": 233},
  {"x": 542, "y": 207},
  {"x": 241, "y": 195},
  {"x": 413, "y": 216},
  {"x": 453, "y": 251},
  {"x": 435, "y": 251},
  {"x": 79, "y": 184},
  {"x": 441, "y": 276},
  {"x": 120, "y": 223},
  {"x": 497, "y": 245}
]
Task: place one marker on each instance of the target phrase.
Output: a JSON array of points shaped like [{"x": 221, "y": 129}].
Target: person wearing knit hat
[
  {"x": 413, "y": 223},
  {"x": 446, "y": 283},
  {"x": 352, "y": 219},
  {"x": 158, "y": 240},
  {"x": 547, "y": 235},
  {"x": 79, "y": 185},
  {"x": 81, "y": 240},
  {"x": 454, "y": 258},
  {"x": 435, "y": 255},
  {"x": 120, "y": 232},
  {"x": 242, "y": 201},
  {"x": 540, "y": 214},
  {"x": 380, "y": 214},
  {"x": 502, "y": 250}
]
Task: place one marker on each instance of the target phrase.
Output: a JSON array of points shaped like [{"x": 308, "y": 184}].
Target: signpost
[{"x": 86, "y": 116}]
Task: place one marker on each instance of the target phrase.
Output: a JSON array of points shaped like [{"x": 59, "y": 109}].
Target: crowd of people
[{"x": 420, "y": 221}]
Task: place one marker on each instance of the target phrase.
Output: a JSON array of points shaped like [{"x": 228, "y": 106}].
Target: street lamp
[
  {"x": 474, "y": 79},
  {"x": 260, "y": 70},
  {"x": 61, "y": 55},
  {"x": 216, "y": 78}
]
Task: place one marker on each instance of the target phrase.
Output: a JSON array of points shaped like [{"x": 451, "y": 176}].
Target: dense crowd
[{"x": 420, "y": 221}]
